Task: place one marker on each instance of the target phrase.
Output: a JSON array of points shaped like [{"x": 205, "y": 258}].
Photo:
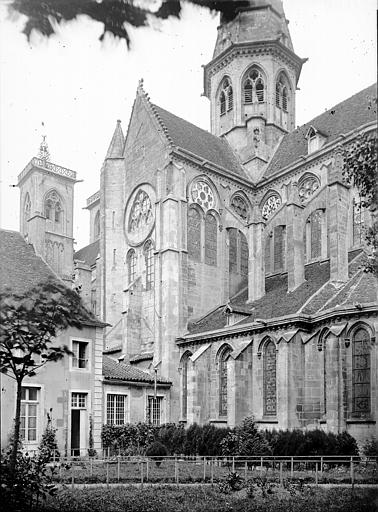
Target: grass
[{"x": 201, "y": 499}]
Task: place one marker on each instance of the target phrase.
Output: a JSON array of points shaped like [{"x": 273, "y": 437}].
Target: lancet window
[
  {"x": 361, "y": 372},
  {"x": 226, "y": 97},
  {"x": 131, "y": 265},
  {"x": 313, "y": 235},
  {"x": 358, "y": 223},
  {"x": 53, "y": 207},
  {"x": 275, "y": 250},
  {"x": 238, "y": 252},
  {"x": 97, "y": 225},
  {"x": 27, "y": 211},
  {"x": 184, "y": 380},
  {"x": 254, "y": 87},
  {"x": 148, "y": 251},
  {"x": 223, "y": 384},
  {"x": 210, "y": 239},
  {"x": 270, "y": 379},
  {"x": 282, "y": 93},
  {"x": 194, "y": 234}
]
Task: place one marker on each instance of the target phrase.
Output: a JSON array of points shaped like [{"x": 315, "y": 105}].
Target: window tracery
[
  {"x": 253, "y": 87},
  {"x": 239, "y": 206},
  {"x": 307, "y": 187},
  {"x": 282, "y": 93},
  {"x": 361, "y": 372},
  {"x": 358, "y": 223},
  {"x": 270, "y": 379},
  {"x": 226, "y": 97},
  {"x": 270, "y": 206},
  {"x": 203, "y": 195},
  {"x": 223, "y": 380},
  {"x": 194, "y": 234},
  {"x": 53, "y": 207},
  {"x": 210, "y": 240},
  {"x": 141, "y": 214}
]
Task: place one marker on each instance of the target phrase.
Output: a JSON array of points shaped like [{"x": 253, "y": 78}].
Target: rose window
[
  {"x": 270, "y": 206},
  {"x": 307, "y": 187},
  {"x": 203, "y": 195},
  {"x": 141, "y": 212},
  {"x": 240, "y": 207}
]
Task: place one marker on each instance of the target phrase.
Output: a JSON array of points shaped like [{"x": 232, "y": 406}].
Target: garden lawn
[{"x": 205, "y": 499}]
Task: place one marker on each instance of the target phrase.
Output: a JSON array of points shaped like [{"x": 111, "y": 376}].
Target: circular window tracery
[
  {"x": 141, "y": 212},
  {"x": 139, "y": 215},
  {"x": 240, "y": 207},
  {"x": 203, "y": 195},
  {"x": 307, "y": 187},
  {"x": 270, "y": 206}
]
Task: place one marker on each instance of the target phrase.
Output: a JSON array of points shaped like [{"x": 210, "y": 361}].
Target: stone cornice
[{"x": 47, "y": 167}]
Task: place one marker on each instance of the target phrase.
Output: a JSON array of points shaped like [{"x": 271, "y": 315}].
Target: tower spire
[{"x": 44, "y": 153}]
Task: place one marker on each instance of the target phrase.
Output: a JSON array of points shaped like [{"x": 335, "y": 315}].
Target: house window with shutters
[
  {"x": 222, "y": 364},
  {"x": 270, "y": 379}
]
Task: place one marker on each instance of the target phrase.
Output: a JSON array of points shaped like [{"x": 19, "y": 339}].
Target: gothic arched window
[
  {"x": 270, "y": 206},
  {"x": 27, "y": 211},
  {"x": 270, "y": 379},
  {"x": 239, "y": 206},
  {"x": 226, "y": 97},
  {"x": 210, "y": 239},
  {"x": 148, "y": 251},
  {"x": 184, "y": 381},
  {"x": 222, "y": 362},
  {"x": 361, "y": 372},
  {"x": 313, "y": 235},
  {"x": 53, "y": 208},
  {"x": 238, "y": 252},
  {"x": 253, "y": 87},
  {"x": 358, "y": 223},
  {"x": 97, "y": 225},
  {"x": 282, "y": 92},
  {"x": 194, "y": 234},
  {"x": 275, "y": 250},
  {"x": 131, "y": 265}
]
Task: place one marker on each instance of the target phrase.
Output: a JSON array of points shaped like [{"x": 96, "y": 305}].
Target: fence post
[
  {"x": 321, "y": 465},
  {"x": 292, "y": 467},
  {"x": 176, "y": 472},
  {"x": 316, "y": 474},
  {"x": 147, "y": 469},
  {"x": 107, "y": 474},
  {"x": 351, "y": 471},
  {"x": 118, "y": 468},
  {"x": 72, "y": 477},
  {"x": 60, "y": 469},
  {"x": 261, "y": 463},
  {"x": 91, "y": 467},
  {"x": 141, "y": 474},
  {"x": 245, "y": 470},
  {"x": 281, "y": 476},
  {"x": 204, "y": 469},
  {"x": 233, "y": 464},
  {"x": 212, "y": 471}
]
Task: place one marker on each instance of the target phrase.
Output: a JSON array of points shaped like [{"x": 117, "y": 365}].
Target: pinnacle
[{"x": 115, "y": 149}]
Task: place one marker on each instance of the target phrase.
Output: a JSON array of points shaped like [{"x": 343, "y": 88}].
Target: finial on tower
[{"x": 44, "y": 153}]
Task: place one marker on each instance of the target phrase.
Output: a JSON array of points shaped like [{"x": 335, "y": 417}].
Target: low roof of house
[
  {"x": 114, "y": 370},
  {"x": 89, "y": 253}
]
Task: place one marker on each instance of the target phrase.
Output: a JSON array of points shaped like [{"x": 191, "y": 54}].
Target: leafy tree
[
  {"x": 29, "y": 324},
  {"x": 245, "y": 440},
  {"x": 48, "y": 447},
  {"x": 360, "y": 168},
  {"x": 42, "y": 15}
]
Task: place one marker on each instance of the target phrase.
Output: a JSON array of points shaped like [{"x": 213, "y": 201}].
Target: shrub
[
  {"x": 48, "y": 446},
  {"x": 173, "y": 437},
  {"x": 370, "y": 448},
  {"x": 245, "y": 439},
  {"x": 157, "y": 450}
]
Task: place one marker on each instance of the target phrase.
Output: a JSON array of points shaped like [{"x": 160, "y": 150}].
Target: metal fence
[{"x": 118, "y": 469}]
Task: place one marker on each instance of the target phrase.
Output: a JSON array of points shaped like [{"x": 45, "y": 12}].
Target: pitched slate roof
[
  {"x": 341, "y": 119},
  {"x": 201, "y": 143},
  {"x": 20, "y": 268},
  {"x": 314, "y": 295},
  {"x": 113, "y": 370},
  {"x": 89, "y": 253}
]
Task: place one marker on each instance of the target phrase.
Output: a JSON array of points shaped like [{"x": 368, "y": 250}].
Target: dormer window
[
  {"x": 315, "y": 140},
  {"x": 226, "y": 97}
]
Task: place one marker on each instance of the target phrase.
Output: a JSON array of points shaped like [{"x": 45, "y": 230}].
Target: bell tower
[
  {"x": 251, "y": 81},
  {"x": 46, "y": 210}
]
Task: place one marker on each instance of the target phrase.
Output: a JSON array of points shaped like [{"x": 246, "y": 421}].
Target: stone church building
[{"x": 226, "y": 264}]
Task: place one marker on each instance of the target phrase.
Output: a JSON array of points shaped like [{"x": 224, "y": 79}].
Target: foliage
[
  {"x": 91, "y": 451},
  {"x": 48, "y": 447},
  {"x": 360, "y": 168},
  {"x": 233, "y": 482},
  {"x": 245, "y": 439},
  {"x": 130, "y": 439},
  {"x": 312, "y": 442},
  {"x": 29, "y": 323},
  {"x": 157, "y": 450},
  {"x": 201, "y": 499},
  {"x": 44, "y": 15},
  {"x": 25, "y": 487},
  {"x": 173, "y": 437},
  {"x": 370, "y": 448}
]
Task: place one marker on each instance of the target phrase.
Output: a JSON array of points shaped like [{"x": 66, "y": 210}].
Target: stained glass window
[
  {"x": 223, "y": 381},
  {"x": 210, "y": 240},
  {"x": 316, "y": 234},
  {"x": 203, "y": 195},
  {"x": 361, "y": 372},
  {"x": 240, "y": 207},
  {"x": 279, "y": 247},
  {"x": 141, "y": 214},
  {"x": 270, "y": 379},
  {"x": 358, "y": 224},
  {"x": 270, "y": 206},
  {"x": 194, "y": 234},
  {"x": 233, "y": 250},
  {"x": 243, "y": 254}
]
